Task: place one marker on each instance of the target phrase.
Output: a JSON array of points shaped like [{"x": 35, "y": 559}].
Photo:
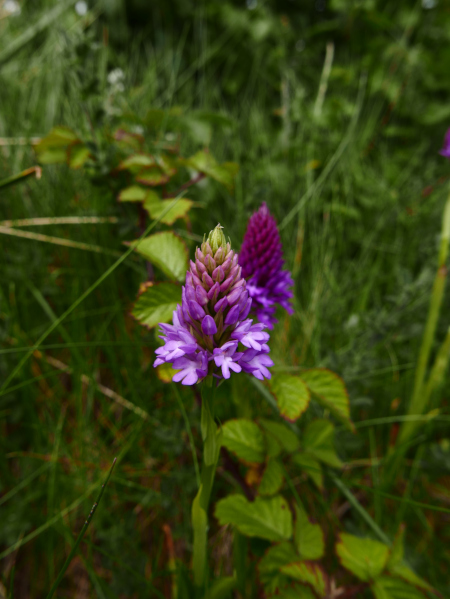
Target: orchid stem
[{"x": 211, "y": 448}]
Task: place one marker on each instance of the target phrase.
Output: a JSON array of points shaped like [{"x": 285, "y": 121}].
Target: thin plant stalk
[
  {"x": 211, "y": 448},
  {"x": 439, "y": 369},
  {"x": 419, "y": 398},
  {"x": 34, "y": 171},
  {"x": 81, "y": 535}
]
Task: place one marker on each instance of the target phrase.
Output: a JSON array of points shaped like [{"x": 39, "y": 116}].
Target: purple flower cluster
[
  {"x": 211, "y": 334},
  {"x": 445, "y": 151},
  {"x": 261, "y": 258}
]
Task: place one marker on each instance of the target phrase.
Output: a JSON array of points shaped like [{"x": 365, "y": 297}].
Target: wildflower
[
  {"x": 212, "y": 320},
  {"x": 445, "y": 151},
  {"x": 261, "y": 258}
]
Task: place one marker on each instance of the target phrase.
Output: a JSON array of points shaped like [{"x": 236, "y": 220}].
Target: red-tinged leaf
[
  {"x": 292, "y": 395},
  {"x": 152, "y": 176},
  {"x": 329, "y": 390}
]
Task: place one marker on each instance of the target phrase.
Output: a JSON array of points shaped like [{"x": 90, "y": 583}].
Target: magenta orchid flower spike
[
  {"x": 445, "y": 151},
  {"x": 261, "y": 258},
  {"x": 211, "y": 334}
]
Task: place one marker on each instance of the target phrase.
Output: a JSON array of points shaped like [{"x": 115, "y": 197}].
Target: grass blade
[
  {"x": 84, "y": 295},
  {"x": 29, "y": 34},
  {"x": 82, "y": 533}
]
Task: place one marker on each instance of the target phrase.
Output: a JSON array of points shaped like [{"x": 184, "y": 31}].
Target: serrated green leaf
[
  {"x": 52, "y": 156},
  {"x": 165, "y": 372},
  {"x": 397, "y": 553},
  {"x": 134, "y": 193},
  {"x": 386, "y": 587},
  {"x": 179, "y": 210},
  {"x": 136, "y": 162},
  {"x": 365, "y": 558},
  {"x": 166, "y": 251},
  {"x": 318, "y": 441},
  {"x": 307, "y": 572},
  {"x": 292, "y": 395},
  {"x": 308, "y": 537},
  {"x": 205, "y": 163},
  {"x": 77, "y": 155},
  {"x": 245, "y": 439},
  {"x": 168, "y": 164},
  {"x": 272, "y": 478},
  {"x": 152, "y": 176},
  {"x": 268, "y": 519},
  {"x": 273, "y": 447},
  {"x": 404, "y": 572},
  {"x": 59, "y": 137},
  {"x": 296, "y": 591},
  {"x": 283, "y": 435},
  {"x": 330, "y": 392},
  {"x": 156, "y": 304},
  {"x": 312, "y": 468},
  {"x": 128, "y": 139},
  {"x": 277, "y": 556}
]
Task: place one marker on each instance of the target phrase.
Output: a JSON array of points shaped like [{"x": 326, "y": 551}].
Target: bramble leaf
[
  {"x": 205, "y": 163},
  {"x": 281, "y": 433},
  {"x": 152, "y": 176},
  {"x": 318, "y": 441},
  {"x": 277, "y": 556},
  {"x": 308, "y": 537},
  {"x": 386, "y": 587},
  {"x": 330, "y": 392},
  {"x": 156, "y": 304},
  {"x": 363, "y": 557},
  {"x": 136, "y": 162},
  {"x": 292, "y": 395},
  {"x": 272, "y": 478},
  {"x": 308, "y": 572},
  {"x": 77, "y": 155},
  {"x": 166, "y": 251},
  {"x": 311, "y": 466},
  {"x": 134, "y": 193},
  {"x": 269, "y": 519},
  {"x": 179, "y": 210},
  {"x": 245, "y": 439}
]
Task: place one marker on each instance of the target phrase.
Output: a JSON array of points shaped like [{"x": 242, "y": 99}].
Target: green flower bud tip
[{"x": 216, "y": 239}]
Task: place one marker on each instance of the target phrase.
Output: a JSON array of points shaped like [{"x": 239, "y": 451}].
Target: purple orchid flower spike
[
  {"x": 261, "y": 258},
  {"x": 445, "y": 150},
  {"x": 211, "y": 333}
]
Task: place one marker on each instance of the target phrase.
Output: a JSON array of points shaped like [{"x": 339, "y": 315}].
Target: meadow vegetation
[{"x": 333, "y": 113}]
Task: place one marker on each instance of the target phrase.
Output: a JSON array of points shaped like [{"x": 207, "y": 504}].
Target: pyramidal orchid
[
  {"x": 261, "y": 258},
  {"x": 445, "y": 150},
  {"x": 211, "y": 333}
]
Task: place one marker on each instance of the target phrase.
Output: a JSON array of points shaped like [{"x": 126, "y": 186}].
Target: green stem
[
  {"x": 439, "y": 369},
  {"x": 189, "y": 432},
  {"x": 419, "y": 398},
  {"x": 34, "y": 171},
  {"x": 211, "y": 449}
]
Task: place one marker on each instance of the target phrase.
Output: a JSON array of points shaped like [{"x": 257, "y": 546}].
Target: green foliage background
[{"x": 352, "y": 175}]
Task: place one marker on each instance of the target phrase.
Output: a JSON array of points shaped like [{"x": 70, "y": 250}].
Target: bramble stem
[{"x": 211, "y": 449}]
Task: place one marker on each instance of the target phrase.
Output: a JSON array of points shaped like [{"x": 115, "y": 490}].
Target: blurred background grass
[{"x": 335, "y": 112}]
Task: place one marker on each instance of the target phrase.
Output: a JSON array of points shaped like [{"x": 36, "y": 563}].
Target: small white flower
[
  {"x": 11, "y": 7},
  {"x": 352, "y": 322},
  {"x": 81, "y": 8},
  {"x": 115, "y": 76}
]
